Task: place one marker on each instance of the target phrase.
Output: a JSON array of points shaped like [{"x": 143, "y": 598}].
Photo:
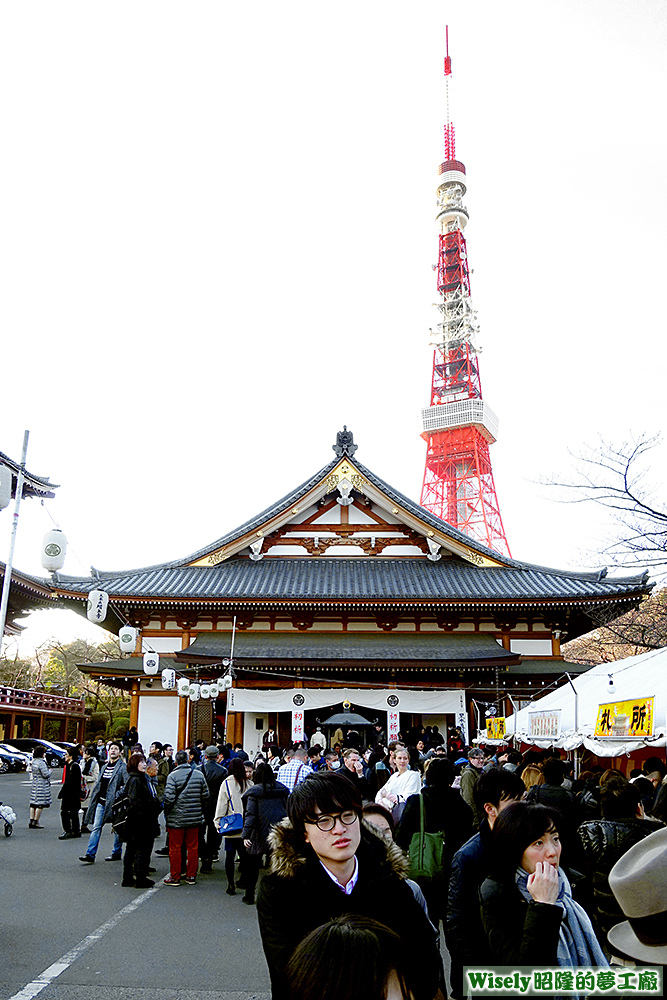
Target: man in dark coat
[
  {"x": 353, "y": 768},
  {"x": 110, "y": 781},
  {"x": 604, "y": 841},
  {"x": 324, "y": 864},
  {"x": 464, "y": 932},
  {"x": 215, "y": 774}
]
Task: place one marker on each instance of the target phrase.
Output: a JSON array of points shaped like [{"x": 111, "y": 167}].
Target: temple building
[{"x": 344, "y": 592}]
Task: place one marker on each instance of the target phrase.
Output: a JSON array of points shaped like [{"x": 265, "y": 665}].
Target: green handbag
[{"x": 426, "y": 852}]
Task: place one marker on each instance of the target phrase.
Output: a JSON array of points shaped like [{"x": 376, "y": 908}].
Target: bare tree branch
[{"x": 616, "y": 478}]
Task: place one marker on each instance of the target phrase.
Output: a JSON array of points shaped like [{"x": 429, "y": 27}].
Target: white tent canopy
[{"x": 636, "y": 677}]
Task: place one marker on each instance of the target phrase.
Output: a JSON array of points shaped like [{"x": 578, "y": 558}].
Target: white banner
[
  {"x": 392, "y": 726},
  {"x": 395, "y": 700},
  {"x": 297, "y": 725}
]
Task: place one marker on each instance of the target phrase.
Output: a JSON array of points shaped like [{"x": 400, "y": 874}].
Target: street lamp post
[{"x": 15, "y": 521}]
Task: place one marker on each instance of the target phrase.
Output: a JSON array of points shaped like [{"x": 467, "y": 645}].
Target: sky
[{"x": 217, "y": 243}]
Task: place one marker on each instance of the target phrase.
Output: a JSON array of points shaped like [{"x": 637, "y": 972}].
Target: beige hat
[{"x": 639, "y": 883}]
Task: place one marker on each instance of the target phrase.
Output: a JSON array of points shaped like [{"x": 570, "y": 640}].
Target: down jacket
[
  {"x": 298, "y": 895},
  {"x": 40, "y": 785},
  {"x": 184, "y": 807},
  {"x": 604, "y": 841}
]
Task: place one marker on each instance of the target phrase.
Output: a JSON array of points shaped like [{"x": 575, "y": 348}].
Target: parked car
[
  {"x": 54, "y": 756},
  {"x": 10, "y": 762},
  {"x": 20, "y": 761}
]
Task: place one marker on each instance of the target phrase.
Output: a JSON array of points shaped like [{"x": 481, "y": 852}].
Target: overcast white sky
[{"x": 217, "y": 240}]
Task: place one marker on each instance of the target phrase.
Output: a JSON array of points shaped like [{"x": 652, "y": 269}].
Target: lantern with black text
[
  {"x": 96, "y": 608},
  {"x": 168, "y": 679},
  {"x": 194, "y": 692}
]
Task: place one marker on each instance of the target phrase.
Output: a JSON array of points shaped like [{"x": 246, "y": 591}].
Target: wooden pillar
[
  {"x": 555, "y": 644},
  {"x": 183, "y": 704},
  {"x": 134, "y": 705}
]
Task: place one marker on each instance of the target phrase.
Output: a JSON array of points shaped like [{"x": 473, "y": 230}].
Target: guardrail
[{"x": 41, "y": 701}]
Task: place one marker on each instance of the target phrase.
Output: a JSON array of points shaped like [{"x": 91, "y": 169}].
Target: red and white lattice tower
[{"x": 458, "y": 425}]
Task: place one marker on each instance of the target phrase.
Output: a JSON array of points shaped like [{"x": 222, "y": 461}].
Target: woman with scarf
[{"x": 528, "y": 911}]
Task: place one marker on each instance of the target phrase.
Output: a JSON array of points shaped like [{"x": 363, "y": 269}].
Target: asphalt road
[{"x": 70, "y": 932}]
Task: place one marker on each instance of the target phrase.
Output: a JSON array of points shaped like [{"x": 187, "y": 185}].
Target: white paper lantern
[
  {"x": 183, "y": 687},
  {"x": 5, "y": 486},
  {"x": 54, "y": 548},
  {"x": 151, "y": 663},
  {"x": 96, "y": 609},
  {"x": 194, "y": 692},
  {"x": 221, "y": 683},
  {"x": 127, "y": 638},
  {"x": 226, "y": 682},
  {"x": 214, "y": 689},
  {"x": 205, "y": 691},
  {"x": 168, "y": 679}
]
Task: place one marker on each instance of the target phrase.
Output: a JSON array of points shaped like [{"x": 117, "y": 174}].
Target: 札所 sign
[{"x": 623, "y": 719}]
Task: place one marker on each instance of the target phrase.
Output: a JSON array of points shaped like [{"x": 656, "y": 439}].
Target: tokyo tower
[{"x": 458, "y": 426}]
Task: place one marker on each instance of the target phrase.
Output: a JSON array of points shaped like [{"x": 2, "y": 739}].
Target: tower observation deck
[{"x": 458, "y": 425}]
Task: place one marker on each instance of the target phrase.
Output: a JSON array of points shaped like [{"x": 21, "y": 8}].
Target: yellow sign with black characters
[
  {"x": 495, "y": 728},
  {"x": 623, "y": 719}
]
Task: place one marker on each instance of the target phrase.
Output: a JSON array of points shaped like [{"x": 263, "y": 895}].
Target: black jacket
[
  {"x": 604, "y": 842},
  {"x": 262, "y": 808},
  {"x": 444, "y": 809},
  {"x": 518, "y": 932},
  {"x": 70, "y": 791},
  {"x": 464, "y": 932},
  {"x": 214, "y": 774},
  {"x": 144, "y": 808},
  {"x": 298, "y": 895}
]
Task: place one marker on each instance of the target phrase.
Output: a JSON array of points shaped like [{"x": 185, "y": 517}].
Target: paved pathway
[{"x": 70, "y": 931}]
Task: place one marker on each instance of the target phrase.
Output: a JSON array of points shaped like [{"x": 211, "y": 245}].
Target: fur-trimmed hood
[{"x": 290, "y": 853}]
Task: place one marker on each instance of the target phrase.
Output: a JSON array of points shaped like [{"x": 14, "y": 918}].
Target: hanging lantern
[
  {"x": 214, "y": 689},
  {"x": 96, "y": 608},
  {"x": 194, "y": 692},
  {"x": 221, "y": 683},
  {"x": 226, "y": 682},
  {"x": 151, "y": 663},
  {"x": 206, "y": 691},
  {"x": 183, "y": 687},
  {"x": 168, "y": 679},
  {"x": 54, "y": 548},
  {"x": 127, "y": 638},
  {"x": 5, "y": 486}
]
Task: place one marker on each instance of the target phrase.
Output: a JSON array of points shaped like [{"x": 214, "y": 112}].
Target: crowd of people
[{"x": 371, "y": 850}]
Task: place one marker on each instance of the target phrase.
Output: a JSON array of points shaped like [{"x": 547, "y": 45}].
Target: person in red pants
[{"x": 186, "y": 796}]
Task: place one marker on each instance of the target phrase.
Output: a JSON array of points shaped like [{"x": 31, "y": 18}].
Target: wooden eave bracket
[{"x": 340, "y": 478}]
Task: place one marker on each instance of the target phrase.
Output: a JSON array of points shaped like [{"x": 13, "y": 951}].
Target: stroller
[{"x": 8, "y": 816}]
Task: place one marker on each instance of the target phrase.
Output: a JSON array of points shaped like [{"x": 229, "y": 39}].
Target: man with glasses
[{"x": 325, "y": 864}]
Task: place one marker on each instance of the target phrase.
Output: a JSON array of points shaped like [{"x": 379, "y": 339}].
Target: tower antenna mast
[{"x": 458, "y": 425}]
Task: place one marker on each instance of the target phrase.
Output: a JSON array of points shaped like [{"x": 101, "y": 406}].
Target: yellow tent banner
[
  {"x": 619, "y": 719},
  {"x": 495, "y": 728}
]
